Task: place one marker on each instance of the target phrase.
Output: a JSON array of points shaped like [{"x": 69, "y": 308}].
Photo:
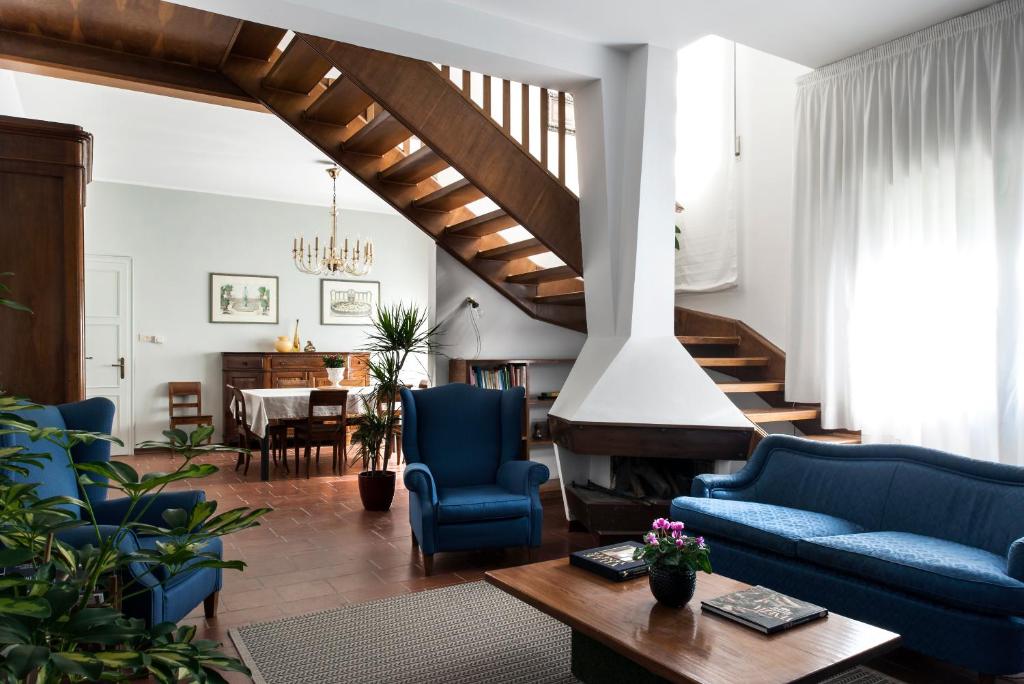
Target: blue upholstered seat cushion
[
  {"x": 944, "y": 571},
  {"x": 160, "y": 571},
  {"x": 764, "y": 526},
  {"x": 479, "y": 502}
]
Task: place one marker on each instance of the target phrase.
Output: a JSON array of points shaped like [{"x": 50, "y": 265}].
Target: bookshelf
[{"x": 534, "y": 375}]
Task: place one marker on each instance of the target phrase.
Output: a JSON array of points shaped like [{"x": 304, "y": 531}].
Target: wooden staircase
[
  {"x": 395, "y": 123},
  {"x": 755, "y": 366}
]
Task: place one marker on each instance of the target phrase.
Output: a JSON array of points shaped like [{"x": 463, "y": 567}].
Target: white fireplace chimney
[{"x": 634, "y": 382}]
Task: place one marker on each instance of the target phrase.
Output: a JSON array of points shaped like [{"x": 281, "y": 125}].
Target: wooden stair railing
[
  {"x": 395, "y": 123},
  {"x": 551, "y": 111},
  {"x": 731, "y": 347}
]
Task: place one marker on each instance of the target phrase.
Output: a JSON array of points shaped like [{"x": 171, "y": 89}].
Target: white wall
[
  {"x": 177, "y": 238},
  {"x": 766, "y": 97}
]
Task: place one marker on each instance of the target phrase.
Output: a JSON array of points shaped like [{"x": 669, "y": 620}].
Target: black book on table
[
  {"x": 765, "y": 610},
  {"x": 614, "y": 561}
]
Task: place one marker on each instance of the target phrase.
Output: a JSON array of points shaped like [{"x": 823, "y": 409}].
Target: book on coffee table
[
  {"x": 765, "y": 610},
  {"x": 614, "y": 561}
]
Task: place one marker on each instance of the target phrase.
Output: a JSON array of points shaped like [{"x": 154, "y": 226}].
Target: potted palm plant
[{"x": 399, "y": 331}]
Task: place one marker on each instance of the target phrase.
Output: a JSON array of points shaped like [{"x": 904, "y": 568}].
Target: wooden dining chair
[
  {"x": 246, "y": 436},
  {"x": 396, "y": 433},
  {"x": 186, "y": 397},
  {"x": 323, "y": 429}
]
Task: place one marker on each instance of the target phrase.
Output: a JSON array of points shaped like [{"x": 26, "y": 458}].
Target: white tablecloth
[{"x": 265, "y": 405}]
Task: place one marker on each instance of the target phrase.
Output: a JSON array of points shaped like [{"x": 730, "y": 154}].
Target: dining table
[{"x": 268, "y": 407}]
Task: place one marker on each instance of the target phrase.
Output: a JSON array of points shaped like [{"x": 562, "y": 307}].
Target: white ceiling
[
  {"x": 172, "y": 143},
  {"x": 809, "y": 32}
]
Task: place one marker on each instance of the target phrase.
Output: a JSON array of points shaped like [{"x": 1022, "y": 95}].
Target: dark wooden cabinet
[
  {"x": 264, "y": 370},
  {"x": 44, "y": 168}
]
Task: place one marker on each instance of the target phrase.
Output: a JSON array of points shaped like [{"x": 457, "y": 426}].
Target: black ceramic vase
[{"x": 672, "y": 586}]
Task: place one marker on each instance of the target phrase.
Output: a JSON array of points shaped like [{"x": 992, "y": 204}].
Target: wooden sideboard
[{"x": 265, "y": 370}]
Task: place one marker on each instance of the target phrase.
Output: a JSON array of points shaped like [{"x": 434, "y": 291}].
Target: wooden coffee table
[{"x": 620, "y": 633}]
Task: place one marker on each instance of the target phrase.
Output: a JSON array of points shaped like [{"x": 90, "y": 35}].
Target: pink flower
[
  {"x": 676, "y": 534},
  {"x": 660, "y": 524},
  {"x": 651, "y": 538},
  {"x": 676, "y": 526},
  {"x": 680, "y": 542},
  {"x": 700, "y": 542}
]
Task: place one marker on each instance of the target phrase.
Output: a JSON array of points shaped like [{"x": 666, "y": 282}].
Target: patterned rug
[{"x": 464, "y": 634}]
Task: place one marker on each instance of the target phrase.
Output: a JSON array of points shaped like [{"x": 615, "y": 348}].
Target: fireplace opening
[
  {"x": 656, "y": 478},
  {"x": 641, "y": 490}
]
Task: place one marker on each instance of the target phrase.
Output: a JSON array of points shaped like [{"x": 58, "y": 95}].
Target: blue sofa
[
  {"x": 467, "y": 488},
  {"x": 166, "y": 599},
  {"x": 919, "y": 542}
]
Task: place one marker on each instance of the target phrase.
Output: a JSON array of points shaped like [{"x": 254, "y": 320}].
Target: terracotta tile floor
[{"x": 319, "y": 549}]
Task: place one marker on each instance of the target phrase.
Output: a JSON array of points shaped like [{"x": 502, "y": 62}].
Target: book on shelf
[
  {"x": 501, "y": 377},
  {"x": 765, "y": 610},
  {"x": 614, "y": 562}
]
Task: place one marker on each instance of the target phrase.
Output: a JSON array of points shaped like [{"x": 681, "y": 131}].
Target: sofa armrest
[
  {"x": 418, "y": 478},
  {"x": 151, "y": 507},
  {"x": 1015, "y": 560},
  {"x": 522, "y": 477}
]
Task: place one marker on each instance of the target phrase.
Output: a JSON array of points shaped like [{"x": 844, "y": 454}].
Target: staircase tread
[
  {"x": 414, "y": 168},
  {"x": 836, "y": 438},
  {"x": 257, "y": 41},
  {"x": 340, "y": 104},
  {"x": 298, "y": 69},
  {"x": 576, "y": 298},
  {"x": 709, "y": 339},
  {"x": 752, "y": 386},
  {"x": 774, "y": 414},
  {"x": 486, "y": 224},
  {"x": 380, "y": 135},
  {"x": 514, "y": 250},
  {"x": 457, "y": 194},
  {"x": 729, "y": 361},
  {"x": 542, "y": 275}
]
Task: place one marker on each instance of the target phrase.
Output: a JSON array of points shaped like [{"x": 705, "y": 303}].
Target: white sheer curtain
[
  {"x": 908, "y": 288},
  {"x": 705, "y": 167}
]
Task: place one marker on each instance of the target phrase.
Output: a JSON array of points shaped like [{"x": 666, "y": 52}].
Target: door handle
[
  {"x": 119, "y": 364},
  {"x": 88, "y": 358}
]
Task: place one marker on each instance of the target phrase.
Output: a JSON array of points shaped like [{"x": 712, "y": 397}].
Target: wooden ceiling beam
[{"x": 79, "y": 62}]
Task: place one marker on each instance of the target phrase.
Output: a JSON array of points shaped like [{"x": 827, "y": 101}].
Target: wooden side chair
[
  {"x": 323, "y": 429},
  {"x": 247, "y": 436},
  {"x": 187, "y": 397}
]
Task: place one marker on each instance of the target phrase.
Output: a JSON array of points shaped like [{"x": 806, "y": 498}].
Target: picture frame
[
  {"x": 244, "y": 298},
  {"x": 348, "y": 302}
]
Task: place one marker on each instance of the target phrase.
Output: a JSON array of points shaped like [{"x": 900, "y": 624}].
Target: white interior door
[{"x": 108, "y": 340}]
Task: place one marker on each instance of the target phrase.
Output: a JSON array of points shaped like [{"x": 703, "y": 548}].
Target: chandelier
[{"x": 335, "y": 257}]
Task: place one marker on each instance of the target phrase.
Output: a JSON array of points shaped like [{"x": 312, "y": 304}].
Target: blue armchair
[
  {"x": 169, "y": 598},
  {"x": 467, "y": 488}
]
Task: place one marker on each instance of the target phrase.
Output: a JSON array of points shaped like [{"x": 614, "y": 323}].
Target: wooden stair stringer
[
  {"x": 290, "y": 107},
  {"x": 419, "y": 96}
]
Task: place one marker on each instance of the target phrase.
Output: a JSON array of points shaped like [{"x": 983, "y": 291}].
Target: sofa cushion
[
  {"x": 765, "y": 526},
  {"x": 944, "y": 571},
  {"x": 160, "y": 571},
  {"x": 479, "y": 502}
]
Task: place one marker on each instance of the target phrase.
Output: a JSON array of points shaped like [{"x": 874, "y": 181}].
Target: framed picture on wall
[
  {"x": 237, "y": 298},
  {"x": 348, "y": 302}
]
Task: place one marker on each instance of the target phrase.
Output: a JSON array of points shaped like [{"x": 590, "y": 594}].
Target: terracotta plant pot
[
  {"x": 672, "y": 587},
  {"x": 377, "y": 489}
]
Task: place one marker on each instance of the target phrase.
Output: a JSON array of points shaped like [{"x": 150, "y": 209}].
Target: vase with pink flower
[{"x": 673, "y": 559}]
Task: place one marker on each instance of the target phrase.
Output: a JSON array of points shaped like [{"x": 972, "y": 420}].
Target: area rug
[{"x": 464, "y": 634}]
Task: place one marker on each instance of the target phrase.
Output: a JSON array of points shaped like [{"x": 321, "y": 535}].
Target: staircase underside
[{"x": 393, "y": 122}]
